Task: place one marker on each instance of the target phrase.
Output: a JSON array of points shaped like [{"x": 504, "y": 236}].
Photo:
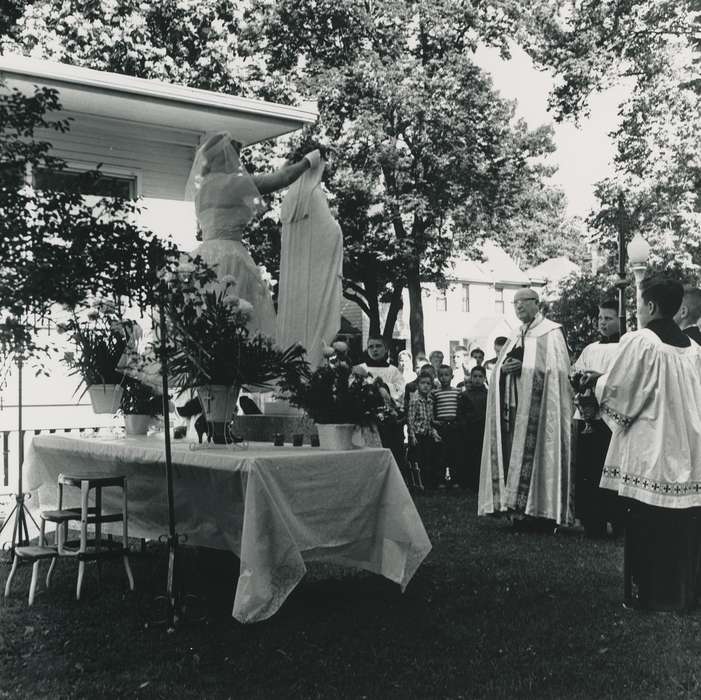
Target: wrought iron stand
[{"x": 20, "y": 530}]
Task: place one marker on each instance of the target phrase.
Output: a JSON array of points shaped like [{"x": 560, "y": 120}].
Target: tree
[
  {"x": 654, "y": 46},
  {"x": 593, "y": 44},
  {"x": 55, "y": 247},
  {"x": 576, "y": 307},
  {"x": 428, "y": 155},
  {"x": 540, "y": 228}
]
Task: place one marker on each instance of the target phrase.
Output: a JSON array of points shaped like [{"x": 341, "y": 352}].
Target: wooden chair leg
[
  {"x": 33, "y": 584},
  {"x": 98, "y": 532},
  {"x": 84, "y": 509},
  {"x": 125, "y": 535},
  {"x": 79, "y": 584},
  {"x": 50, "y": 572},
  {"x": 127, "y": 568},
  {"x": 8, "y": 583}
]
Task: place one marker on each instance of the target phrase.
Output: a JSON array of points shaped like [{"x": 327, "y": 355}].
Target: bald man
[
  {"x": 687, "y": 318},
  {"x": 526, "y": 469}
]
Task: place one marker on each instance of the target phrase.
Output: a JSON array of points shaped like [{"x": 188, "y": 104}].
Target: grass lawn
[{"x": 490, "y": 613}]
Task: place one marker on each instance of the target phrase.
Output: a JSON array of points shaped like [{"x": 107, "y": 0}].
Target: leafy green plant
[
  {"x": 208, "y": 341},
  {"x": 333, "y": 394},
  {"x": 139, "y": 399}
]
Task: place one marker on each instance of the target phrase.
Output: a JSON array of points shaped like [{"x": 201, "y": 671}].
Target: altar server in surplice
[{"x": 651, "y": 400}]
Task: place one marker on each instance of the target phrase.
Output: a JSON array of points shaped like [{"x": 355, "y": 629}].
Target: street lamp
[{"x": 638, "y": 254}]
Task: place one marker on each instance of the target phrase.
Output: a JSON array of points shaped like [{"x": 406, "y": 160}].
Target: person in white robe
[
  {"x": 594, "y": 506},
  {"x": 651, "y": 400},
  {"x": 526, "y": 465},
  {"x": 311, "y": 268}
]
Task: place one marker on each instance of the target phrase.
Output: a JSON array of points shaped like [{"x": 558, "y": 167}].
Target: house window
[
  {"x": 441, "y": 300},
  {"x": 466, "y": 298},
  {"x": 499, "y": 300},
  {"x": 106, "y": 185}
]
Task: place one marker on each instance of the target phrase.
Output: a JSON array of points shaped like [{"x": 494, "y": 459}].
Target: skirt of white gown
[{"x": 229, "y": 257}]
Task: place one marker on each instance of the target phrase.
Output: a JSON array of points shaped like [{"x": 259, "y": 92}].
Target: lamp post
[
  {"x": 638, "y": 254},
  {"x": 622, "y": 281}
]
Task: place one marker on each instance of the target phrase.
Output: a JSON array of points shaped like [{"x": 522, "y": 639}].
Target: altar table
[{"x": 274, "y": 507}]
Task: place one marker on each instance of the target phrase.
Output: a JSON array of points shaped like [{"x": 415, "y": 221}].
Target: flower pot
[
  {"x": 336, "y": 436},
  {"x": 137, "y": 424},
  {"x": 105, "y": 398},
  {"x": 218, "y": 401}
]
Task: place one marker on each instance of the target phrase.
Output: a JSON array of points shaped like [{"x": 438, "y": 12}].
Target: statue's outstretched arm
[{"x": 285, "y": 176}]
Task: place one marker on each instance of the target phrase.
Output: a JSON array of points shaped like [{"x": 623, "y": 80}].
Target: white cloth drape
[
  {"x": 311, "y": 266},
  {"x": 274, "y": 507}
]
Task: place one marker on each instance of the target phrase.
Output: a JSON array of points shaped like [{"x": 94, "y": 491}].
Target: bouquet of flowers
[
  {"x": 333, "y": 394},
  {"x": 100, "y": 337},
  {"x": 208, "y": 341}
]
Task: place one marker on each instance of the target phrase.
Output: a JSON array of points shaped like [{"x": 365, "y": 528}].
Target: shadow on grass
[{"x": 490, "y": 613}]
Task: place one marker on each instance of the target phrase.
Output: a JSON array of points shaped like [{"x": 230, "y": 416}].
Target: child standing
[
  {"x": 445, "y": 413},
  {"x": 423, "y": 437},
  {"x": 472, "y": 411}
]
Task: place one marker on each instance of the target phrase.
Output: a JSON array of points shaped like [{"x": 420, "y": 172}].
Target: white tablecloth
[{"x": 274, "y": 507}]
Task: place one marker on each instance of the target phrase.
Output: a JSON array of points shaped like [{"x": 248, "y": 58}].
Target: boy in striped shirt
[{"x": 445, "y": 412}]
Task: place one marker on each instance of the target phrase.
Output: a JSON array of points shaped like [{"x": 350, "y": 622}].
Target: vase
[
  {"x": 219, "y": 406},
  {"x": 137, "y": 424},
  {"x": 336, "y": 436},
  {"x": 105, "y": 398}
]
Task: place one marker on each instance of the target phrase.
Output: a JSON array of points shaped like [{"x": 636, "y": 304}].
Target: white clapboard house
[{"x": 143, "y": 134}]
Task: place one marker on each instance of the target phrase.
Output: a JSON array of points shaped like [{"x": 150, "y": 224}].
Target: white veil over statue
[
  {"x": 311, "y": 266},
  {"x": 226, "y": 199}
]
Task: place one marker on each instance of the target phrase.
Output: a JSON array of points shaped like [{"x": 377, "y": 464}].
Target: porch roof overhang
[{"x": 145, "y": 101}]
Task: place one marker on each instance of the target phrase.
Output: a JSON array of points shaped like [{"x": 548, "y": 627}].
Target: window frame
[
  {"x": 441, "y": 300},
  {"x": 465, "y": 299},
  {"x": 499, "y": 300},
  {"x": 106, "y": 169}
]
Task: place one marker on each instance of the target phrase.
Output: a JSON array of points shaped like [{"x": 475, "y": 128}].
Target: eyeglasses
[{"x": 523, "y": 301}]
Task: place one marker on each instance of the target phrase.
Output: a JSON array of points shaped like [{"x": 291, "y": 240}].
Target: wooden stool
[
  {"x": 88, "y": 549},
  {"x": 34, "y": 554}
]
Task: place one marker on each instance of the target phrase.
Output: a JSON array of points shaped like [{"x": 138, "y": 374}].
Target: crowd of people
[{"x": 611, "y": 440}]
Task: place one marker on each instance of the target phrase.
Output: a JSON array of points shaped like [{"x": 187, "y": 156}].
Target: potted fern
[{"x": 211, "y": 350}]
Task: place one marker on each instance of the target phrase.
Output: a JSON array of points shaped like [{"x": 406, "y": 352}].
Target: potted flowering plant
[
  {"x": 337, "y": 400},
  {"x": 211, "y": 349},
  {"x": 139, "y": 406},
  {"x": 100, "y": 337}
]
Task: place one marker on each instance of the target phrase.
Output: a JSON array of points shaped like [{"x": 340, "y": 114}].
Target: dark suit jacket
[{"x": 694, "y": 333}]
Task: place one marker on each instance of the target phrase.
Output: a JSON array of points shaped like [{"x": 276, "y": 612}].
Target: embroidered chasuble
[
  {"x": 651, "y": 400},
  {"x": 526, "y": 465}
]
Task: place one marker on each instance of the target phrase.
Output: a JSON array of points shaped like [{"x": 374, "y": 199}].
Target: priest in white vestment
[
  {"x": 311, "y": 267},
  {"x": 526, "y": 466},
  {"x": 651, "y": 400}
]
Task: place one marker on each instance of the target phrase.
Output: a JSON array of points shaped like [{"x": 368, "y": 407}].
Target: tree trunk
[
  {"x": 416, "y": 310},
  {"x": 370, "y": 284},
  {"x": 395, "y": 306}
]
